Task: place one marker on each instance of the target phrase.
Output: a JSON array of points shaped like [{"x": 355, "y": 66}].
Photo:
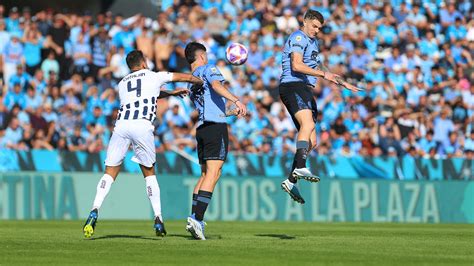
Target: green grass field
[{"x": 243, "y": 243}]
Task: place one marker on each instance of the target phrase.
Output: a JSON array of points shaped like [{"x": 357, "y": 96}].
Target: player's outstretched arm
[
  {"x": 182, "y": 77},
  {"x": 241, "y": 110},
  {"x": 179, "y": 92},
  {"x": 297, "y": 65}
]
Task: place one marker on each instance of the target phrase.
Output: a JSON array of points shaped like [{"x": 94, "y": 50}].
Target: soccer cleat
[
  {"x": 305, "y": 173},
  {"x": 90, "y": 224},
  {"x": 159, "y": 227},
  {"x": 292, "y": 190},
  {"x": 196, "y": 228}
]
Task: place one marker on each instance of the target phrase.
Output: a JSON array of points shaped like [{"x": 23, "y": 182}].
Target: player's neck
[
  {"x": 136, "y": 69},
  {"x": 303, "y": 29},
  {"x": 196, "y": 65}
]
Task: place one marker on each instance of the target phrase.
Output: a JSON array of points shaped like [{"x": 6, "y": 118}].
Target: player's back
[{"x": 138, "y": 92}]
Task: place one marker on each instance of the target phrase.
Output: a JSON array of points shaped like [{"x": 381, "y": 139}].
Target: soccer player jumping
[
  {"x": 300, "y": 63},
  {"x": 211, "y": 133},
  {"x": 138, "y": 92}
]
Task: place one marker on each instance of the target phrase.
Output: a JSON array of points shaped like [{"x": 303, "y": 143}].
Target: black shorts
[
  {"x": 212, "y": 141},
  {"x": 298, "y": 96}
]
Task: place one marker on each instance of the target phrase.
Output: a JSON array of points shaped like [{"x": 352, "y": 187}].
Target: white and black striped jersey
[{"x": 138, "y": 92}]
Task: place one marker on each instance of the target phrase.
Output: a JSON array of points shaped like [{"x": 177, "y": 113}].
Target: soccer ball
[{"x": 236, "y": 54}]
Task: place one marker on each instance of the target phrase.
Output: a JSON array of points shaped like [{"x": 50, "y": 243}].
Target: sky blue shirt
[
  {"x": 298, "y": 42},
  {"x": 210, "y": 105}
]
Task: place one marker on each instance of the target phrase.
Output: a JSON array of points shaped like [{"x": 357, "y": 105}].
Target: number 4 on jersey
[{"x": 138, "y": 88}]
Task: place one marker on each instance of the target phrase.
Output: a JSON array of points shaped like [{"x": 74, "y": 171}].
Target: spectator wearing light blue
[
  {"x": 469, "y": 142},
  {"x": 443, "y": 126},
  {"x": 358, "y": 63},
  {"x": 448, "y": 16},
  {"x": 457, "y": 31},
  {"x": 250, "y": 23},
  {"x": 429, "y": 45},
  {"x": 368, "y": 13},
  {"x": 32, "y": 99},
  {"x": 33, "y": 43},
  {"x": 387, "y": 33},
  {"x": 415, "y": 92},
  {"x": 427, "y": 142},
  {"x": 81, "y": 54},
  {"x": 255, "y": 57},
  {"x": 15, "y": 96},
  {"x": 125, "y": 38},
  {"x": 50, "y": 64},
  {"x": 175, "y": 118},
  {"x": 354, "y": 124},
  {"x": 13, "y": 20},
  {"x": 38, "y": 82},
  {"x": 20, "y": 77},
  {"x": 4, "y": 35},
  {"x": 12, "y": 57},
  {"x": 13, "y": 134},
  {"x": 397, "y": 78}
]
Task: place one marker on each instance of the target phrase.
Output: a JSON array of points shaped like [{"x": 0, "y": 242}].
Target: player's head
[
  {"x": 136, "y": 60},
  {"x": 195, "y": 52},
  {"x": 313, "y": 21}
]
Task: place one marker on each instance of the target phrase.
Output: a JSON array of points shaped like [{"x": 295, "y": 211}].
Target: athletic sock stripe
[{"x": 203, "y": 199}]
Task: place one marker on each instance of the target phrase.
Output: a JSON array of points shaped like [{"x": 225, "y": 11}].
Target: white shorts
[{"x": 139, "y": 133}]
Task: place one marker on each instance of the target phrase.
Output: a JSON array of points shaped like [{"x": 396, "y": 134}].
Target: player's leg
[
  {"x": 292, "y": 95},
  {"x": 144, "y": 148},
  {"x": 116, "y": 151},
  {"x": 196, "y": 188},
  {"x": 305, "y": 134},
  {"x": 215, "y": 143},
  {"x": 154, "y": 194}
]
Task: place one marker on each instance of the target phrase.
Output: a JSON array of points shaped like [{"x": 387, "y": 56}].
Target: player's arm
[
  {"x": 182, "y": 77},
  {"x": 179, "y": 92},
  {"x": 297, "y": 65},
  {"x": 222, "y": 91}
]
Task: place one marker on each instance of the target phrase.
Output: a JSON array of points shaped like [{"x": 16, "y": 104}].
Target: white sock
[
  {"x": 153, "y": 192},
  {"x": 103, "y": 188}
]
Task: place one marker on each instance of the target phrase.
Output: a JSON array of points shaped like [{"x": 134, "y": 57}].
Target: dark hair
[
  {"x": 313, "y": 14},
  {"x": 134, "y": 59},
  {"x": 191, "y": 49}
]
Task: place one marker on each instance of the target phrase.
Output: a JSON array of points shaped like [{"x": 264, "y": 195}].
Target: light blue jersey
[
  {"x": 210, "y": 105},
  {"x": 299, "y": 42}
]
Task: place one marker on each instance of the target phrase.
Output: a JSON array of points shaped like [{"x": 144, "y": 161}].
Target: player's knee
[{"x": 213, "y": 173}]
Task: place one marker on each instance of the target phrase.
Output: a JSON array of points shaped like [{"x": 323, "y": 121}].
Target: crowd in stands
[{"x": 414, "y": 60}]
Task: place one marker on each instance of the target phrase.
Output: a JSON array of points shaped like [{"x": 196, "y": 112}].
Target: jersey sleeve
[
  {"x": 297, "y": 43},
  {"x": 212, "y": 73},
  {"x": 163, "y": 77}
]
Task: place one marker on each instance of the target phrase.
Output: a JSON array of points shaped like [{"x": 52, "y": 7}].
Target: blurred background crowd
[{"x": 415, "y": 60}]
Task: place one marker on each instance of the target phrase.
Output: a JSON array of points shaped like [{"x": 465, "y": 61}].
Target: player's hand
[
  {"x": 351, "y": 87},
  {"x": 332, "y": 77},
  {"x": 241, "y": 109},
  {"x": 180, "y": 93}
]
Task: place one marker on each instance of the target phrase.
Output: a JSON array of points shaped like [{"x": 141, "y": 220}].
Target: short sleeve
[
  {"x": 163, "y": 77},
  {"x": 298, "y": 43},
  {"x": 212, "y": 73}
]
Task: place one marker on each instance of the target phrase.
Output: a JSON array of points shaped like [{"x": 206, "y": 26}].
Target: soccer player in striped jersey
[{"x": 138, "y": 92}]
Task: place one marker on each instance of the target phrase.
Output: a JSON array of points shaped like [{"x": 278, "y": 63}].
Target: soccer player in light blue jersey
[
  {"x": 211, "y": 133},
  {"x": 300, "y": 73}
]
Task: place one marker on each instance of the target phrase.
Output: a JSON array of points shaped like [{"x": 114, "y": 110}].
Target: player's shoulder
[{"x": 298, "y": 36}]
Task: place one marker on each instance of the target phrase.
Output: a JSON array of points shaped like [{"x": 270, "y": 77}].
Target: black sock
[
  {"x": 301, "y": 152},
  {"x": 203, "y": 199},
  {"x": 300, "y": 158},
  {"x": 193, "y": 208}
]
